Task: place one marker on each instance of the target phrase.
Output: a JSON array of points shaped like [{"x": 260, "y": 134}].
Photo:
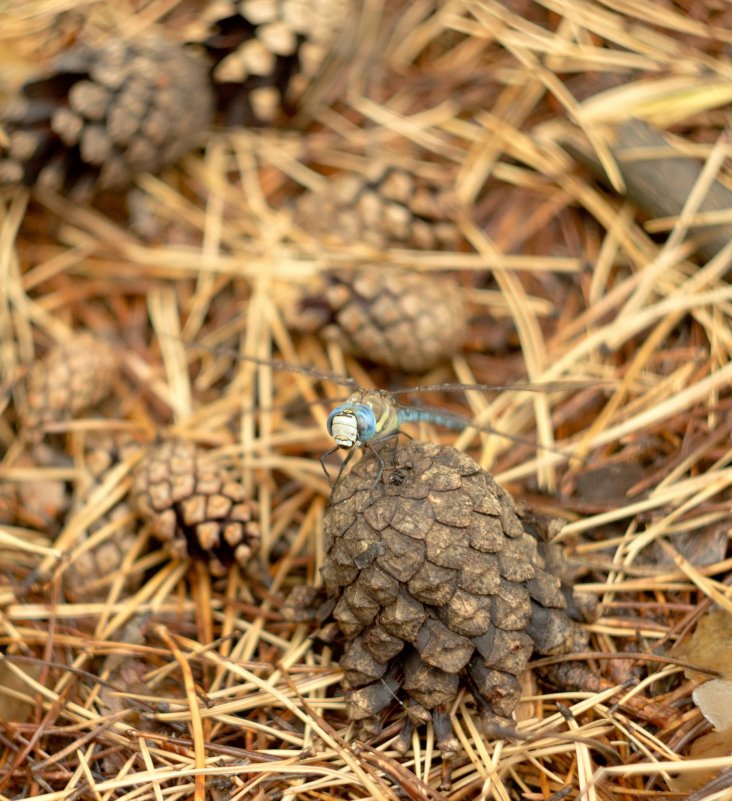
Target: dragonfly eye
[{"x": 366, "y": 422}]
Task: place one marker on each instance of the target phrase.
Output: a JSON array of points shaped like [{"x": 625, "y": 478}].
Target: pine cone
[
  {"x": 404, "y": 320},
  {"x": 388, "y": 206},
  {"x": 195, "y": 505},
  {"x": 90, "y": 572},
  {"x": 105, "y": 114},
  {"x": 439, "y": 582},
  {"x": 265, "y": 53},
  {"x": 40, "y": 500},
  {"x": 74, "y": 376}
]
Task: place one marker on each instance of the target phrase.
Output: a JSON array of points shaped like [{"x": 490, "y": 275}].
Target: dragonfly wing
[
  {"x": 550, "y": 386},
  {"x": 278, "y": 364}
]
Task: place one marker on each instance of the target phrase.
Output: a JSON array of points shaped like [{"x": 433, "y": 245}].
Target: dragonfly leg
[
  {"x": 343, "y": 466},
  {"x": 323, "y": 457},
  {"x": 393, "y": 435},
  {"x": 394, "y": 451},
  {"x": 380, "y": 460},
  {"x": 340, "y": 471}
]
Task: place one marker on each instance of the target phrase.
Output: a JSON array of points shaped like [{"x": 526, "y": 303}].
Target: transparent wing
[
  {"x": 344, "y": 381},
  {"x": 412, "y": 413},
  {"x": 278, "y": 364},
  {"x": 551, "y": 386}
]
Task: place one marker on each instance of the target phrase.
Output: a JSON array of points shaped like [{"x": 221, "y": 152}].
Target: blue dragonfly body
[
  {"x": 369, "y": 417},
  {"x": 373, "y": 415}
]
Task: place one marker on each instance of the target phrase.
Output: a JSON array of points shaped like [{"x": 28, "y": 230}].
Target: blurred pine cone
[
  {"x": 266, "y": 52},
  {"x": 104, "y": 114},
  {"x": 195, "y": 505},
  {"x": 92, "y": 570},
  {"x": 39, "y": 500},
  {"x": 405, "y": 320},
  {"x": 439, "y": 585},
  {"x": 387, "y": 206},
  {"x": 72, "y": 377}
]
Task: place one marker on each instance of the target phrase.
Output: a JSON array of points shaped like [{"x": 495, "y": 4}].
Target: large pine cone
[
  {"x": 439, "y": 585},
  {"x": 195, "y": 505},
  {"x": 405, "y": 320},
  {"x": 74, "y": 376},
  {"x": 266, "y": 52},
  {"x": 106, "y": 114},
  {"x": 387, "y": 206}
]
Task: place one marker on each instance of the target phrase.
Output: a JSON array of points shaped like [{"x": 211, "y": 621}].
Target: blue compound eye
[{"x": 366, "y": 422}]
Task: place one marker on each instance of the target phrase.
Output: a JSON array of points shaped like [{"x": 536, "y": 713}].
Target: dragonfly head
[{"x": 351, "y": 424}]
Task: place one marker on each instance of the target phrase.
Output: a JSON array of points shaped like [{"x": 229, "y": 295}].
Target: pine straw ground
[{"x": 192, "y": 685}]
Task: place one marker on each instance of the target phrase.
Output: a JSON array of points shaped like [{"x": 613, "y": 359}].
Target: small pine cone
[
  {"x": 74, "y": 376},
  {"x": 386, "y": 207},
  {"x": 195, "y": 505},
  {"x": 91, "y": 571},
  {"x": 404, "y": 320},
  {"x": 438, "y": 581},
  {"x": 266, "y": 52},
  {"x": 39, "y": 501},
  {"x": 106, "y": 114}
]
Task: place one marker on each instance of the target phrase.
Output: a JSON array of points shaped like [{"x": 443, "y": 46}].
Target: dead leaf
[
  {"x": 702, "y": 547},
  {"x": 708, "y": 746},
  {"x": 714, "y": 699},
  {"x": 710, "y": 646},
  {"x": 609, "y": 483},
  {"x": 13, "y": 708}
]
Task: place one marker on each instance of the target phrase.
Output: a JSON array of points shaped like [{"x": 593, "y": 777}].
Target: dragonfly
[{"x": 371, "y": 417}]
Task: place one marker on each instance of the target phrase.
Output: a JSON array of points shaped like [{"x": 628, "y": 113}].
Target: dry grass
[{"x": 191, "y": 686}]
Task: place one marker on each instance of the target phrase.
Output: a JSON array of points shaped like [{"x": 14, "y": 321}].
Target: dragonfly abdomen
[{"x": 416, "y": 415}]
